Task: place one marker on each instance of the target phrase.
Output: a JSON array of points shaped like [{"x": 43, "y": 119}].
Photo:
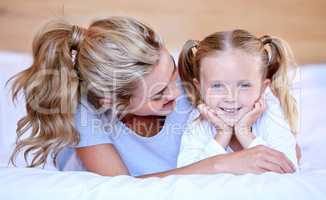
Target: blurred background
[{"x": 301, "y": 22}]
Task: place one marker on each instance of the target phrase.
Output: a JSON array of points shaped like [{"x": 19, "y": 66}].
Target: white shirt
[{"x": 271, "y": 129}]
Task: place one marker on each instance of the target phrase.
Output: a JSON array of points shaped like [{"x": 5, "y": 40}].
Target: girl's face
[
  {"x": 231, "y": 82},
  {"x": 156, "y": 93}
]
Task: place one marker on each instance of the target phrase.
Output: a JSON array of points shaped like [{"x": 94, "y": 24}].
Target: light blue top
[{"x": 141, "y": 155}]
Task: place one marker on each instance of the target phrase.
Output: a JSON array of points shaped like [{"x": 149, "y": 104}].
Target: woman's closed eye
[{"x": 158, "y": 96}]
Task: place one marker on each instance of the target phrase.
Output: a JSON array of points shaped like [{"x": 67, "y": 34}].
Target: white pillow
[{"x": 311, "y": 96}]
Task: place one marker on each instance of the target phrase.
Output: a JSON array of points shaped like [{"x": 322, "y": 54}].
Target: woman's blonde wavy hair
[
  {"x": 69, "y": 62},
  {"x": 275, "y": 54}
]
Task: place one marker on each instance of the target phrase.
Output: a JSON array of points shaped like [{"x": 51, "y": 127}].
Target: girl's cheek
[
  {"x": 212, "y": 99},
  {"x": 247, "y": 100},
  {"x": 212, "y": 103}
]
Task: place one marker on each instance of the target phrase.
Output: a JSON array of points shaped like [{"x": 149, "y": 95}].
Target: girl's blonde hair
[
  {"x": 69, "y": 62},
  {"x": 275, "y": 54}
]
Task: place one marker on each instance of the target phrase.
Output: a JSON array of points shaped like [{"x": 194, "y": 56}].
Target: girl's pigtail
[
  {"x": 187, "y": 71},
  {"x": 280, "y": 59}
]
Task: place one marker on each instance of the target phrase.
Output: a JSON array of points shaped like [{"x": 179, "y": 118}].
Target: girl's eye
[
  {"x": 245, "y": 85},
  {"x": 217, "y": 85}
]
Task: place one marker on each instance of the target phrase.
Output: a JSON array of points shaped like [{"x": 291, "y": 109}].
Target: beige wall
[{"x": 301, "y": 22}]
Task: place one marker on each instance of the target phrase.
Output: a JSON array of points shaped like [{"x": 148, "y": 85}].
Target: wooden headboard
[{"x": 301, "y": 22}]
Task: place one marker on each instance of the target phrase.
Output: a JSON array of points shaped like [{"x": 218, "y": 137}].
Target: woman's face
[{"x": 156, "y": 93}]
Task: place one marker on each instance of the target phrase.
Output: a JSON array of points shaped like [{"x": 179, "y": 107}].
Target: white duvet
[
  {"x": 309, "y": 183},
  {"x": 33, "y": 184}
]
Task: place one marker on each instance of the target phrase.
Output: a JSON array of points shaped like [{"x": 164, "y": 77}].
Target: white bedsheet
[
  {"x": 310, "y": 183},
  {"x": 33, "y": 184}
]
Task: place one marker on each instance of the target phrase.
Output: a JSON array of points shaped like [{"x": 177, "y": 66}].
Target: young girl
[
  {"x": 234, "y": 73},
  {"x": 109, "y": 93}
]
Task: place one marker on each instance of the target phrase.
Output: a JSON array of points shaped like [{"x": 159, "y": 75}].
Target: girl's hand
[
  {"x": 257, "y": 160},
  {"x": 224, "y": 131},
  {"x": 243, "y": 126}
]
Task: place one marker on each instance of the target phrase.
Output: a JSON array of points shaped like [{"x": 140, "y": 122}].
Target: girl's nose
[{"x": 231, "y": 96}]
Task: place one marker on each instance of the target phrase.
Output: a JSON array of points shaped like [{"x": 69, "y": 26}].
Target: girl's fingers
[
  {"x": 255, "y": 110},
  {"x": 215, "y": 119},
  {"x": 202, "y": 108},
  {"x": 258, "y": 109},
  {"x": 221, "y": 115},
  {"x": 261, "y": 108},
  {"x": 262, "y": 104},
  {"x": 211, "y": 115},
  {"x": 218, "y": 112}
]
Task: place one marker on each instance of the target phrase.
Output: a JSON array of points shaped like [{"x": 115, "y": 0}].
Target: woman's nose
[{"x": 172, "y": 93}]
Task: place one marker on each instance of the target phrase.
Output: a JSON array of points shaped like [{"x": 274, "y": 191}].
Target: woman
[{"x": 110, "y": 91}]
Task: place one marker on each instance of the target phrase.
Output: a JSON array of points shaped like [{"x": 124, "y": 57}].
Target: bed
[{"x": 49, "y": 183}]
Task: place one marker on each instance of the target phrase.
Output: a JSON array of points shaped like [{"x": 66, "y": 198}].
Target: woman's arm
[
  {"x": 104, "y": 160},
  {"x": 255, "y": 160}
]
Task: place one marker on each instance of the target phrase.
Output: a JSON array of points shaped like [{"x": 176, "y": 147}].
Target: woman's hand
[
  {"x": 224, "y": 131},
  {"x": 242, "y": 128},
  {"x": 255, "y": 160}
]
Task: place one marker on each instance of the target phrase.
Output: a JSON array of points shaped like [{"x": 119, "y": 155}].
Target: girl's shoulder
[
  {"x": 274, "y": 109},
  {"x": 270, "y": 97},
  {"x": 273, "y": 119}
]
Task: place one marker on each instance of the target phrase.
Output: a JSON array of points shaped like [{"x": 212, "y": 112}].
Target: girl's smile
[{"x": 231, "y": 111}]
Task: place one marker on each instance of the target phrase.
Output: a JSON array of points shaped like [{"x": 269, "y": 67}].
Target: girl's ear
[{"x": 196, "y": 83}]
